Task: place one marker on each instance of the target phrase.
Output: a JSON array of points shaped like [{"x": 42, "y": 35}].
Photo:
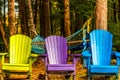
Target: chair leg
[
  {"x": 30, "y": 77},
  {"x": 74, "y": 77},
  {"x": 46, "y": 76},
  {"x": 67, "y": 76},
  {"x": 89, "y": 77},
  {"x": 71, "y": 77},
  {"x": 117, "y": 77},
  {"x": 2, "y": 77}
]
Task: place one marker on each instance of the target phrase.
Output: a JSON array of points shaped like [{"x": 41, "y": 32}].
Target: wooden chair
[
  {"x": 98, "y": 58},
  {"x": 56, "y": 57},
  {"x": 20, "y": 57}
]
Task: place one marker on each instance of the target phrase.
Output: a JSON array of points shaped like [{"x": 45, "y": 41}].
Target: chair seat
[
  {"x": 103, "y": 69},
  {"x": 60, "y": 67},
  {"x": 14, "y": 67}
]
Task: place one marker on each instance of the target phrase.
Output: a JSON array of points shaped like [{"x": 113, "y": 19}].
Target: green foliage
[
  {"x": 84, "y": 8},
  {"x": 55, "y": 12},
  {"x": 114, "y": 28},
  {"x": 1, "y": 41},
  {"x": 114, "y": 23},
  {"x": 1, "y": 6}
]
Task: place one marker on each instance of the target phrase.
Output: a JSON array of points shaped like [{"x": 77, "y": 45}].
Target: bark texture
[{"x": 101, "y": 14}]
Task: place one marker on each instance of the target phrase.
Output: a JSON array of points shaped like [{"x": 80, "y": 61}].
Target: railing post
[
  {"x": 118, "y": 73},
  {"x": 84, "y": 39}
]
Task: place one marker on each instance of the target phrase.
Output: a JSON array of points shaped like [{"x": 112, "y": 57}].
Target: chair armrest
[
  {"x": 43, "y": 55},
  {"x": 2, "y": 56},
  {"x": 117, "y": 54},
  {"x": 76, "y": 57},
  {"x": 86, "y": 58},
  {"x": 32, "y": 58},
  {"x": 86, "y": 54},
  {"x": 44, "y": 58},
  {"x": 33, "y": 55}
]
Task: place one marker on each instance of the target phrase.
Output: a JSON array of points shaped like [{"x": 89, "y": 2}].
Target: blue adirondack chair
[
  {"x": 98, "y": 58},
  {"x": 56, "y": 57}
]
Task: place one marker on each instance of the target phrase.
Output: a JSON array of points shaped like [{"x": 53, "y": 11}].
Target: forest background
[{"x": 57, "y": 17}]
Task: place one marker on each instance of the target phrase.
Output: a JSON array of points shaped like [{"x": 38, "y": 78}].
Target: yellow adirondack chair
[{"x": 20, "y": 57}]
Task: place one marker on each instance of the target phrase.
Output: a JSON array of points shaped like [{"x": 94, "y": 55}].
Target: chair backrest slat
[
  {"x": 101, "y": 47},
  {"x": 20, "y": 48},
  {"x": 56, "y": 47}
]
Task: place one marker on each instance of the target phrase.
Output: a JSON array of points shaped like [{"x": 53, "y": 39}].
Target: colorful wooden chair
[
  {"x": 20, "y": 57},
  {"x": 56, "y": 57},
  {"x": 98, "y": 58}
]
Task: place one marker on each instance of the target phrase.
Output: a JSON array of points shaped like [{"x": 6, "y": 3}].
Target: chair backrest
[
  {"x": 20, "y": 49},
  {"x": 56, "y": 47},
  {"x": 101, "y": 47}
]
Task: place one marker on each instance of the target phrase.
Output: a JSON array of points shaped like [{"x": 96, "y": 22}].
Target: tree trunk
[
  {"x": 51, "y": 21},
  {"x": 66, "y": 18},
  {"x": 119, "y": 9},
  {"x": 3, "y": 34},
  {"x": 61, "y": 18},
  {"x": 42, "y": 29},
  {"x": 23, "y": 17},
  {"x": 79, "y": 22},
  {"x": 73, "y": 25},
  {"x": 114, "y": 12},
  {"x": 37, "y": 16},
  {"x": 45, "y": 18},
  {"x": 101, "y": 14},
  {"x": 31, "y": 24},
  {"x": 11, "y": 17},
  {"x": 4, "y": 12},
  {"x": 79, "y": 17}
]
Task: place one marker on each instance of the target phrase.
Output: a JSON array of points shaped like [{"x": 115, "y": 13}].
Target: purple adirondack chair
[{"x": 56, "y": 48}]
